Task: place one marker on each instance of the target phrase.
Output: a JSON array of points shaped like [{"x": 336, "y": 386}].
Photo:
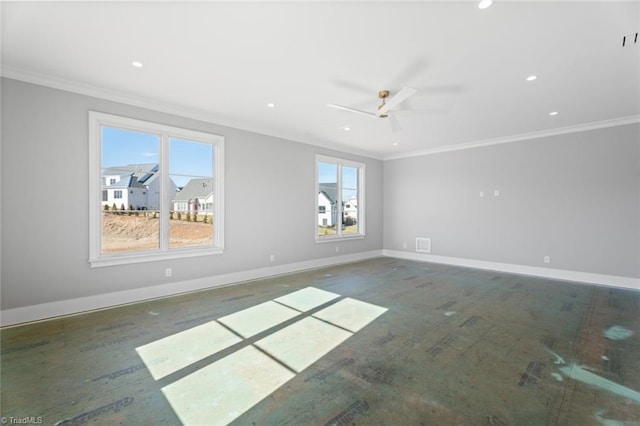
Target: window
[
  {"x": 170, "y": 191},
  {"x": 340, "y": 198}
]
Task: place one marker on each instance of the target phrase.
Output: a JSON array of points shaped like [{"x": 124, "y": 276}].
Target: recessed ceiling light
[
  {"x": 271, "y": 105},
  {"x": 395, "y": 144},
  {"x": 136, "y": 64},
  {"x": 553, "y": 113},
  {"x": 532, "y": 77},
  {"x": 484, "y": 4},
  {"x": 347, "y": 128}
]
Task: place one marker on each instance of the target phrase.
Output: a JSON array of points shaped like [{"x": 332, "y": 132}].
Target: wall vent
[{"x": 423, "y": 245}]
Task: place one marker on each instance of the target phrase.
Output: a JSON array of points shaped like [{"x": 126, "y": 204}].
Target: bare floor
[{"x": 379, "y": 342}]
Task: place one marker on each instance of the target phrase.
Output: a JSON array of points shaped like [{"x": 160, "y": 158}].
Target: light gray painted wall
[
  {"x": 573, "y": 197},
  {"x": 45, "y": 240}
]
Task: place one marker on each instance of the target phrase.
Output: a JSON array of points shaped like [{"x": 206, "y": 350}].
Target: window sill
[
  {"x": 334, "y": 238},
  {"x": 126, "y": 259}
]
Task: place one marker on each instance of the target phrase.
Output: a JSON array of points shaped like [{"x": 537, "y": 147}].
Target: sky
[
  {"x": 328, "y": 173},
  {"x": 187, "y": 159}
]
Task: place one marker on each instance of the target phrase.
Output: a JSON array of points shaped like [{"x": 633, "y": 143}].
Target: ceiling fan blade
[
  {"x": 395, "y": 124},
  {"x": 357, "y": 111},
  {"x": 395, "y": 100}
]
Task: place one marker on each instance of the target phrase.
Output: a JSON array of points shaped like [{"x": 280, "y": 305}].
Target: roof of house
[
  {"x": 145, "y": 173},
  {"x": 330, "y": 190},
  {"x": 126, "y": 181},
  {"x": 195, "y": 188}
]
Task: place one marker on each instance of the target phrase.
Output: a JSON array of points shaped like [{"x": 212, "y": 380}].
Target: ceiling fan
[{"x": 388, "y": 104}]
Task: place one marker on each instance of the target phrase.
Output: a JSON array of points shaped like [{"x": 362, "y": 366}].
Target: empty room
[{"x": 320, "y": 213}]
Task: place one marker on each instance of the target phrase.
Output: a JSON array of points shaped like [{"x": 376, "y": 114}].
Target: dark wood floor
[{"x": 452, "y": 346}]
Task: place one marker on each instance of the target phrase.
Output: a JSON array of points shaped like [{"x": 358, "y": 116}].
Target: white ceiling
[{"x": 225, "y": 61}]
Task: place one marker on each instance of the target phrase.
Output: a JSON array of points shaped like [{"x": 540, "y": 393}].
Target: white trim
[
  {"x": 79, "y": 305},
  {"x": 152, "y": 104},
  {"x": 155, "y": 105},
  {"x": 339, "y": 238},
  {"x": 521, "y": 137},
  {"x": 114, "y": 259},
  {"x": 557, "y": 274},
  {"x": 164, "y": 132},
  {"x": 101, "y": 93},
  {"x": 340, "y": 163}
]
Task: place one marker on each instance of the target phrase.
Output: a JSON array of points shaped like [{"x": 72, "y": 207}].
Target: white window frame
[
  {"x": 98, "y": 259},
  {"x": 340, "y": 162}
]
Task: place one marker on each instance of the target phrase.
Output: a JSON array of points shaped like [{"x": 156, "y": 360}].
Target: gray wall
[
  {"x": 573, "y": 197},
  {"x": 45, "y": 201}
]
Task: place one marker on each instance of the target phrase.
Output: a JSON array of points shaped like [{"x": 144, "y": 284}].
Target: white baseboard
[
  {"x": 44, "y": 311},
  {"x": 102, "y": 301},
  {"x": 557, "y": 274}
]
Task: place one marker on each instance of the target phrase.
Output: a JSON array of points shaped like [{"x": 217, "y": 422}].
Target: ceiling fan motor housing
[{"x": 383, "y": 94}]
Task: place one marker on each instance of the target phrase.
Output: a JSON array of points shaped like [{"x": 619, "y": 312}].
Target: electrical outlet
[
  {"x": 337, "y": 249},
  {"x": 272, "y": 258},
  {"x": 547, "y": 259},
  {"x": 168, "y": 272},
  {"x": 404, "y": 245},
  {"x": 496, "y": 192}
]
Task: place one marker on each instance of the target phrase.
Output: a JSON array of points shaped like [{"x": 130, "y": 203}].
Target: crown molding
[
  {"x": 521, "y": 137},
  {"x": 155, "y": 105},
  {"x": 101, "y": 93}
]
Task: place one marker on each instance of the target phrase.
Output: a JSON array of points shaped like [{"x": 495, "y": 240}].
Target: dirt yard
[{"x": 126, "y": 233}]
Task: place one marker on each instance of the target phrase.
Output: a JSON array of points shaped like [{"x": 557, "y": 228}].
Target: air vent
[
  {"x": 423, "y": 245},
  {"x": 629, "y": 39}
]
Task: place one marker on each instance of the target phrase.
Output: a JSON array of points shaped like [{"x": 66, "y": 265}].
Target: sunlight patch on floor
[
  {"x": 306, "y": 299},
  {"x": 172, "y": 353},
  {"x": 222, "y": 391},
  {"x": 351, "y": 314},
  {"x": 303, "y": 343},
  {"x": 219, "y": 393},
  {"x": 259, "y": 318}
]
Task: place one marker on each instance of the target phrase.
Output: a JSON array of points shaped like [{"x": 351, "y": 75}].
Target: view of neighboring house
[
  {"x": 351, "y": 208},
  {"x": 195, "y": 197},
  {"x": 135, "y": 185},
  {"x": 327, "y": 207}
]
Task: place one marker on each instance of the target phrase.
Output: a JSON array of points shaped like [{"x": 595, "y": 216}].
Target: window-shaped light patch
[
  {"x": 351, "y": 314},
  {"x": 172, "y": 353},
  {"x": 257, "y": 319},
  {"x": 306, "y": 299},
  {"x": 303, "y": 343},
  {"x": 219, "y": 393},
  {"x": 225, "y": 389}
]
